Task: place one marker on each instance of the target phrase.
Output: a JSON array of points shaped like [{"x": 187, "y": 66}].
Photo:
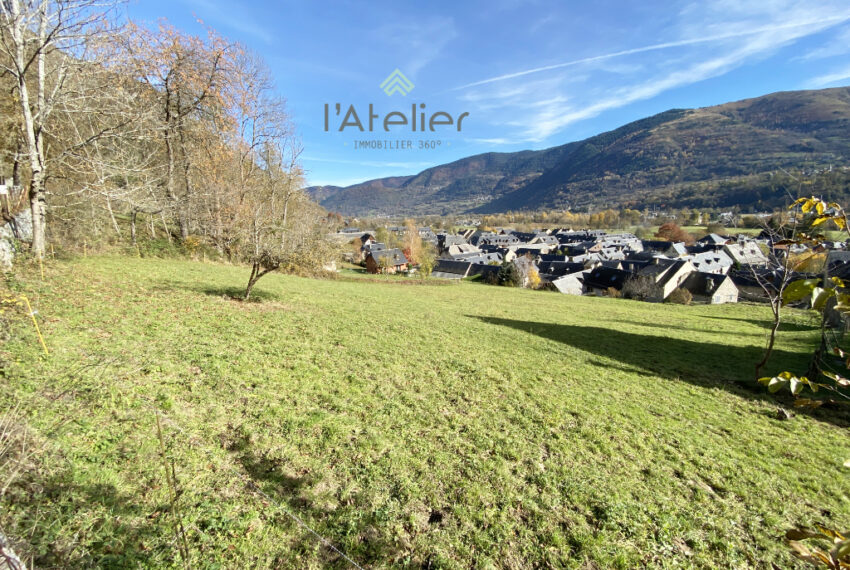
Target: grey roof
[
  {"x": 395, "y": 256},
  {"x": 604, "y": 277},
  {"x": 449, "y": 269},
  {"x": 559, "y": 268},
  {"x": 714, "y": 239}
]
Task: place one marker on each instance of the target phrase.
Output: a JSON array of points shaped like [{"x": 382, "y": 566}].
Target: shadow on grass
[
  {"x": 293, "y": 493},
  {"x": 229, "y": 292},
  {"x": 767, "y": 323},
  {"x": 706, "y": 364},
  {"x": 129, "y": 543}
]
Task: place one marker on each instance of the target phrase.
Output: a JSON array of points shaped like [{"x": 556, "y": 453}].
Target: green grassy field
[{"x": 452, "y": 426}]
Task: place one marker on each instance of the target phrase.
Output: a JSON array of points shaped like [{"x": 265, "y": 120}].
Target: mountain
[{"x": 735, "y": 154}]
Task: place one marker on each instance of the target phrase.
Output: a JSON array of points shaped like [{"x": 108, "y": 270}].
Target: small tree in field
[{"x": 265, "y": 215}]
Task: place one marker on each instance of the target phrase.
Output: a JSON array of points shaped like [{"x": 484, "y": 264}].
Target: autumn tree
[
  {"x": 672, "y": 232},
  {"x": 412, "y": 244},
  {"x": 185, "y": 76}
]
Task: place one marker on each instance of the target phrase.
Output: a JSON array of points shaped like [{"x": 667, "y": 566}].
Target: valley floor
[{"x": 452, "y": 426}]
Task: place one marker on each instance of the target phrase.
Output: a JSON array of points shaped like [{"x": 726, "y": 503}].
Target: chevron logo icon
[{"x": 397, "y": 83}]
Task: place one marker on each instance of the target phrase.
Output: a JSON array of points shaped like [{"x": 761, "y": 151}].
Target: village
[{"x": 714, "y": 269}]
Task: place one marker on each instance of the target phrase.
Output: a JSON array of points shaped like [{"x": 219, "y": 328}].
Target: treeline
[{"x": 115, "y": 126}]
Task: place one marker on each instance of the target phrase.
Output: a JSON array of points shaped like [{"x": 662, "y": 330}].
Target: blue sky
[{"x": 530, "y": 74}]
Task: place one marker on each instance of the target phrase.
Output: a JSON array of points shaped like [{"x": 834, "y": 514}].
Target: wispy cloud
[
  {"x": 840, "y": 76},
  {"x": 833, "y": 47},
  {"x": 714, "y": 38},
  {"x": 416, "y": 44},
  {"x": 226, "y": 15},
  {"x": 657, "y": 47}
]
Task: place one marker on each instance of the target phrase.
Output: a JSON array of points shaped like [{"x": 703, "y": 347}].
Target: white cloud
[{"x": 842, "y": 75}]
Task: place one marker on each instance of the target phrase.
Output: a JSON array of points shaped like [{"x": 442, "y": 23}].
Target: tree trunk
[
  {"x": 37, "y": 208},
  {"x": 252, "y": 280},
  {"x": 133, "y": 227},
  {"x": 256, "y": 273},
  {"x": 777, "y": 317},
  {"x": 112, "y": 217}
]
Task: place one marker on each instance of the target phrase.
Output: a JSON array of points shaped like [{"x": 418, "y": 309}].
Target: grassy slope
[{"x": 454, "y": 426}]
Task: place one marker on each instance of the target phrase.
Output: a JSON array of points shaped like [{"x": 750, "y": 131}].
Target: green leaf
[
  {"x": 796, "y": 386},
  {"x": 798, "y": 290},
  {"x": 820, "y": 297},
  {"x": 776, "y": 383}
]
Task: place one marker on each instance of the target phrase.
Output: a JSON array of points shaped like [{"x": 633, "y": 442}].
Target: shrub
[
  {"x": 192, "y": 245},
  {"x": 680, "y": 297},
  {"x": 613, "y": 293},
  {"x": 509, "y": 275},
  {"x": 638, "y": 288},
  {"x": 533, "y": 279},
  {"x": 159, "y": 247}
]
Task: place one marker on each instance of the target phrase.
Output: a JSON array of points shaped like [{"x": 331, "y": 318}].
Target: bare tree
[{"x": 42, "y": 44}]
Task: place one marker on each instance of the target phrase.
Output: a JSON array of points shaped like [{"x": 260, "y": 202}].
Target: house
[
  {"x": 532, "y": 249},
  {"x": 449, "y": 269},
  {"x": 676, "y": 249},
  {"x": 667, "y": 276},
  {"x": 712, "y": 262},
  {"x": 555, "y": 269},
  {"x": 656, "y": 246},
  {"x": 571, "y": 283},
  {"x": 479, "y": 257},
  {"x": 461, "y": 249},
  {"x": 599, "y": 279},
  {"x": 713, "y": 239},
  {"x": 386, "y": 261},
  {"x": 745, "y": 253},
  {"x": 486, "y": 271},
  {"x": 445, "y": 241},
  {"x": 711, "y": 288}
]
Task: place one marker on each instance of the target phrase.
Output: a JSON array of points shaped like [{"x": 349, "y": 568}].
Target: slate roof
[
  {"x": 449, "y": 269},
  {"x": 604, "y": 277},
  {"x": 701, "y": 283},
  {"x": 713, "y": 239},
  {"x": 712, "y": 261},
  {"x": 396, "y": 256},
  {"x": 559, "y": 268}
]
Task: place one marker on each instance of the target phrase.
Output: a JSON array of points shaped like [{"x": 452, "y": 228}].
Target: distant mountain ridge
[{"x": 720, "y": 156}]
